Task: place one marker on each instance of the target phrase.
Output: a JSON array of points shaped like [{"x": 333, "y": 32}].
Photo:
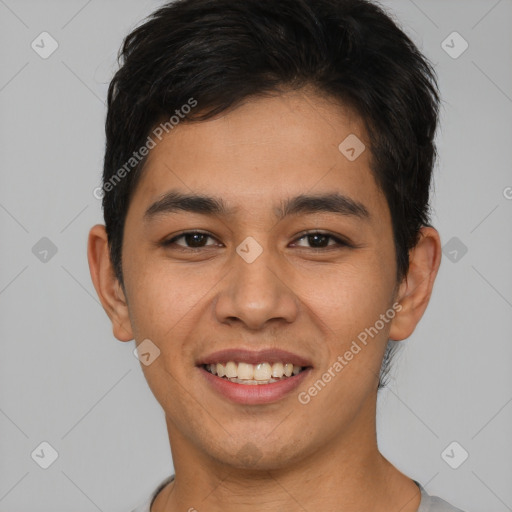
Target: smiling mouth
[{"x": 254, "y": 374}]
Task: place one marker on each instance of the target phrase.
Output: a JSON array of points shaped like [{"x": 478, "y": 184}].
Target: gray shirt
[{"x": 428, "y": 503}]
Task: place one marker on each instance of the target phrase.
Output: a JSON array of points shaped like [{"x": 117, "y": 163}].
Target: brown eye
[
  {"x": 190, "y": 240},
  {"x": 320, "y": 241}
]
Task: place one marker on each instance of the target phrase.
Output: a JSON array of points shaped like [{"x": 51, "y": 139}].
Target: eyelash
[{"x": 339, "y": 242}]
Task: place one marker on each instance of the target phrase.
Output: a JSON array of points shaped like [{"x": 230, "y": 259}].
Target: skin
[{"x": 307, "y": 300}]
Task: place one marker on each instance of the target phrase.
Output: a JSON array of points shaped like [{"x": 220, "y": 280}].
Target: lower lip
[{"x": 254, "y": 394}]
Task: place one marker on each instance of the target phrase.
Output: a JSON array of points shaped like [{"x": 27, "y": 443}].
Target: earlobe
[
  {"x": 106, "y": 284},
  {"x": 416, "y": 288}
]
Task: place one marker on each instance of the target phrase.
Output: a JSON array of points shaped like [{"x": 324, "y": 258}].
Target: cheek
[
  {"x": 351, "y": 296},
  {"x": 165, "y": 306},
  {"x": 163, "y": 296},
  {"x": 346, "y": 305}
]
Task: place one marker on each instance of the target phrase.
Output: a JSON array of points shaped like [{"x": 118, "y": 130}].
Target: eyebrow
[{"x": 340, "y": 204}]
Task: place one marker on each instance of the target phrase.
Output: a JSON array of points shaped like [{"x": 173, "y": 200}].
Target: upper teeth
[{"x": 260, "y": 371}]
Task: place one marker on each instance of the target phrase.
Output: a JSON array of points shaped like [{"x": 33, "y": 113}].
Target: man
[{"x": 266, "y": 198}]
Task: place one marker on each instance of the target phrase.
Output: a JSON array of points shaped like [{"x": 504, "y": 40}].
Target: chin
[{"x": 260, "y": 456}]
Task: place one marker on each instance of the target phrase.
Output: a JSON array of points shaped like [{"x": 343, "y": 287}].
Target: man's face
[{"x": 306, "y": 293}]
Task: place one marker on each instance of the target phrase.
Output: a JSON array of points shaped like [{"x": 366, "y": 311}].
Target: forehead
[{"x": 263, "y": 150}]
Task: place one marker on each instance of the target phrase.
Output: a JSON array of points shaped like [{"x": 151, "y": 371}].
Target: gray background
[{"x": 65, "y": 379}]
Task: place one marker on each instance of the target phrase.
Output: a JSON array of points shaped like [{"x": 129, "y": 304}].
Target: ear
[
  {"x": 107, "y": 286},
  {"x": 416, "y": 288}
]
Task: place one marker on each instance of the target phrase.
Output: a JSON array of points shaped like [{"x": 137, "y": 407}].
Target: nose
[{"x": 256, "y": 294}]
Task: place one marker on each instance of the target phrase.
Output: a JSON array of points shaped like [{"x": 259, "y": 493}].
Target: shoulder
[
  {"x": 434, "y": 503},
  {"x": 146, "y": 506},
  {"x": 428, "y": 503}
]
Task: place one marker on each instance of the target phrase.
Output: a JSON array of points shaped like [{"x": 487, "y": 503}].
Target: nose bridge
[{"x": 254, "y": 291}]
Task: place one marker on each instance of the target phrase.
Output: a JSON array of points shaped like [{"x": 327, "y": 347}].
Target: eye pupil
[
  {"x": 195, "y": 239},
  {"x": 318, "y": 238}
]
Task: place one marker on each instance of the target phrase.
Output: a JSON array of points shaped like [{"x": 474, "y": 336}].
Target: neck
[{"x": 347, "y": 473}]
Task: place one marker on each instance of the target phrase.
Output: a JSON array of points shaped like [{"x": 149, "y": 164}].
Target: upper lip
[{"x": 241, "y": 355}]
